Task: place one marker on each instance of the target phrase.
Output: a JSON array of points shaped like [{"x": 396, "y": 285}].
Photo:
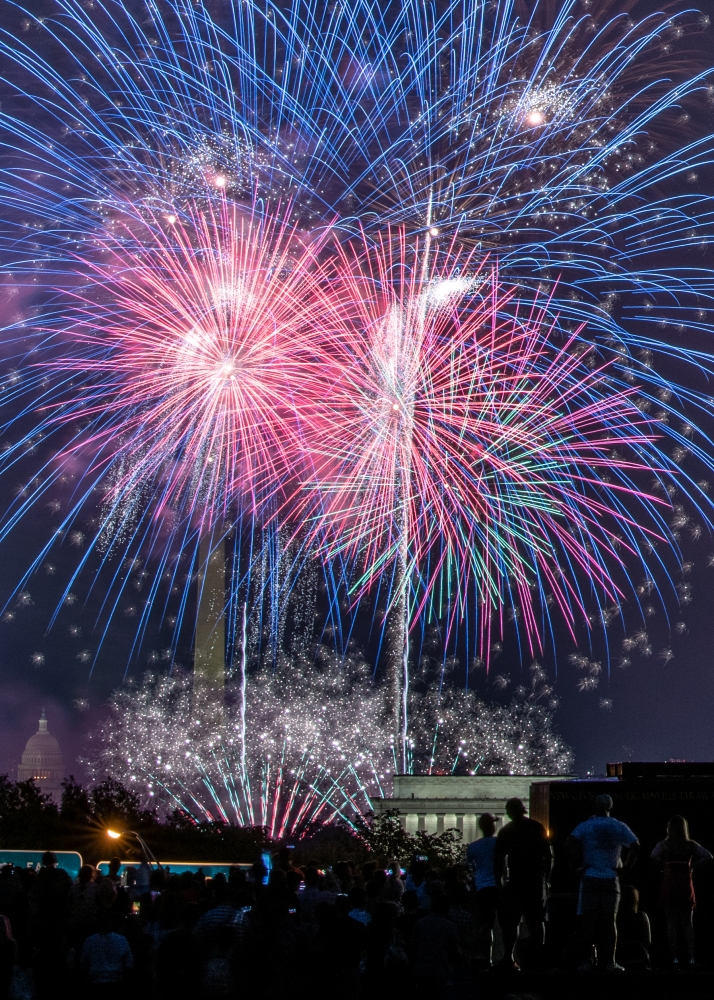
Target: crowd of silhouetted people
[{"x": 364, "y": 930}]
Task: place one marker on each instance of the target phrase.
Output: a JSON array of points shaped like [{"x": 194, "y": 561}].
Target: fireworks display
[
  {"x": 476, "y": 440},
  {"x": 317, "y": 743},
  {"x": 536, "y": 132},
  {"x": 167, "y": 134},
  {"x": 399, "y": 283},
  {"x": 314, "y": 746},
  {"x": 476, "y": 450},
  {"x": 454, "y": 732},
  {"x": 201, "y": 323},
  {"x": 180, "y": 379}
]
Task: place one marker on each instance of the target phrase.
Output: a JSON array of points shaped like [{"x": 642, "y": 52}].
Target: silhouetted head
[
  {"x": 367, "y": 870},
  {"x": 185, "y": 880},
  {"x": 157, "y": 880},
  {"x": 418, "y": 871},
  {"x": 49, "y": 859},
  {"x": 86, "y": 874},
  {"x": 487, "y": 824},
  {"x": 277, "y": 881},
  {"x": 515, "y": 809},
  {"x": 312, "y": 878},
  {"x": 678, "y": 829},
  {"x": 603, "y": 805},
  {"x": 114, "y": 866},
  {"x": 293, "y": 878},
  {"x": 237, "y": 878},
  {"x": 342, "y": 870},
  {"x": 220, "y": 888}
]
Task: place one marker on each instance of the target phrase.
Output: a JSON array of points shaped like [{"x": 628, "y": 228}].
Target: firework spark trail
[
  {"x": 533, "y": 137},
  {"x": 469, "y": 737},
  {"x": 317, "y": 746},
  {"x": 203, "y": 328},
  {"x": 185, "y": 354},
  {"x": 320, "y": 752},
  {"x": 531, "y": 141},
  {"x": 468, "y": 438}
]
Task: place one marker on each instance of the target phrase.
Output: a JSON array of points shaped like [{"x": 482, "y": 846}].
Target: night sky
[{"x": 662, "y": 708}]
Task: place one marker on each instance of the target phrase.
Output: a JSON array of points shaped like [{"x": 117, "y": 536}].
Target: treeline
[{"x": 31, "y": 820}]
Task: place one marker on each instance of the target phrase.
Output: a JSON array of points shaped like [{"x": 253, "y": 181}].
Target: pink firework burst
[
  {"x": 192, "y": 343},
  {"x": 466, "y": 443}
]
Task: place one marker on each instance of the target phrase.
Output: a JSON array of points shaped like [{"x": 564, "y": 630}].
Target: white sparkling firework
[
  {"x": 317, "y": 744},
  {"x": 586, "y": 684},
  {"x": 454, "y": 732},
  {"x": 315, "y": 748}
]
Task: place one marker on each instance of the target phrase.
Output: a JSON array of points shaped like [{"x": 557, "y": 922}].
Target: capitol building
[{"x": 43, "y": 762}]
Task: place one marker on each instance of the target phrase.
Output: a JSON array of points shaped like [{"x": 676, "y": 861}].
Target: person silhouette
[
  {"x": 677, "y": 855},
  {"x": 480, "y": 855},
  {"x": 596, "y": 851},
  {"x": 523, "y": 859}
]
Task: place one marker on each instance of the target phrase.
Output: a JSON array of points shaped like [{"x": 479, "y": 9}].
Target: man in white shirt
[{"x": 596, "y": 847}]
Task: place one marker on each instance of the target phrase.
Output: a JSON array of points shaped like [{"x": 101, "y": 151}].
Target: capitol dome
[{"x": 43, "y": 762}]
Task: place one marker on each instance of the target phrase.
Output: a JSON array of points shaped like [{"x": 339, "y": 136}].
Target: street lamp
[{"x": 149, "y": 856}]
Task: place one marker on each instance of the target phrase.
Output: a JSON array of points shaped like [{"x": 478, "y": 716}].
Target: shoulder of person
[
  {"x": 626, "y": 831},
  {"x": 536, "y": 827}
]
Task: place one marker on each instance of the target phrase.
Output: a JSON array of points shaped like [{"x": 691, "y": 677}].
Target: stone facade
[
  {"x": 435, "y": 803},
  {"x": 43, "y": 762}
]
